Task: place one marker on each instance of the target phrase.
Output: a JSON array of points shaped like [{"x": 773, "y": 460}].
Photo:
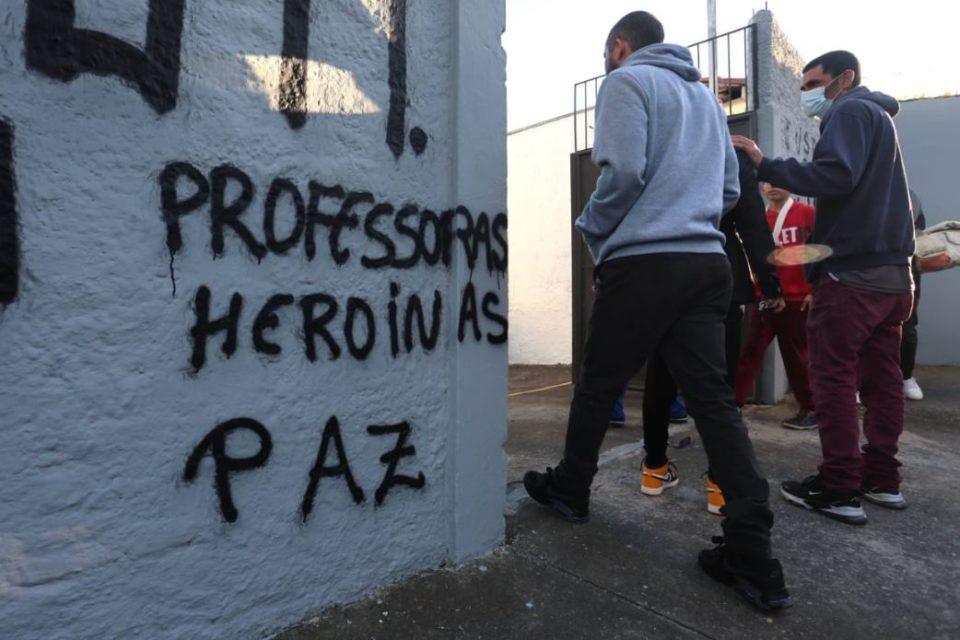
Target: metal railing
[{"x": 734, "y": 53}]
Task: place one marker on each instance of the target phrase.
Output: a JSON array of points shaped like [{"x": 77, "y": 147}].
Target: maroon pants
[
  {"x": 790, "y": 328},
  {"x": 856, "y": 333}
]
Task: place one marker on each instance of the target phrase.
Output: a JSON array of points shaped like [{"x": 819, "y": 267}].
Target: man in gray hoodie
[{"x": 663, "y": 284}]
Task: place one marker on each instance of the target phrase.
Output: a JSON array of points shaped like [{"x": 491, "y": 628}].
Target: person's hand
[
  {"x": 773, "y": 305},
  {"x": 806, "y": 302},
  {"x": 750, "y": 147}
]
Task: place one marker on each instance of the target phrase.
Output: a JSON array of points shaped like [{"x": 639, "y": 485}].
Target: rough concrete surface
[
  {"x": 234, "y": 384},
  {"x": 631, "y": 572}
]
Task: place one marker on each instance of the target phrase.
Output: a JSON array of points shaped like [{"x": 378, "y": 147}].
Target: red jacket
[{"x": 797, "y": 229}]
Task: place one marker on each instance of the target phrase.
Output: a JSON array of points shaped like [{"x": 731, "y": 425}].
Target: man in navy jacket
[{"x": 862, "y": 288}]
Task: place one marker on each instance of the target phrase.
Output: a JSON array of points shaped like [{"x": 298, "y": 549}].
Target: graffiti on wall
[
  {"x": 55, "y": 47},
  {"x": 798, "y": 139},
  {"x": 214, "y": 445},
  {"x": 397, "y": 238},
  {"x": 59, "y": 50},
  {"x": 343, "y": 223},
  {"x": 9, "y": 239}
]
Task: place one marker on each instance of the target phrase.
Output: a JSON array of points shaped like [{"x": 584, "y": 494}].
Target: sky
[{"x": 906, "y": 48}]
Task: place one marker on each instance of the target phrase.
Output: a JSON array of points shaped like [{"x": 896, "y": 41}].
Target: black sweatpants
[
  {"x": 660, "y": 390},
  {"x": 674, "y": 303}
]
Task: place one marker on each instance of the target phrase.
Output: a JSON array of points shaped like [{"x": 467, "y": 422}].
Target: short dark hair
[
  {"x": 835, "y": 63},
  {"x": 639, "y": 29}
]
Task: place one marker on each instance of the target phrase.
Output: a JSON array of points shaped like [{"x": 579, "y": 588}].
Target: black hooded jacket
[{"x": 749, "y": 240}]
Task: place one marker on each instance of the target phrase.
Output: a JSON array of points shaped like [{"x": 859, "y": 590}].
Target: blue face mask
[{"x": 815, "y": 101}]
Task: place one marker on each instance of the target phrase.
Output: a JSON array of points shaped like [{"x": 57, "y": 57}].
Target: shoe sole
[
  {"x": 746, "y": 590},
  {"x": 678, "y": 420},
  {"x": 566, "y": 513},
  {"x": 755, "y": 597},
  {"x": 796, "y": 427},
  {"x": 846, "y": 515},
  {"x": 562, "y": 510},
  {"x": 656, "y": 491},
  {"x": 898, "y": 504},
  {"x": 714, "y": 509}
]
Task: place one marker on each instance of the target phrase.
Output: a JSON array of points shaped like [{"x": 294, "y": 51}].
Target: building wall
[
  {"x": 929, "y": 133},
  {"x": 783, "y": 131},
  {"x": 252, "y": 308},
  {"x": 539, "y": 199}
]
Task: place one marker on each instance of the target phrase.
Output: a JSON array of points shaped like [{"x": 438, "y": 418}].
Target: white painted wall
[
  {"x": 101, "y": 534},
  {"x": 538, "y": 198}
]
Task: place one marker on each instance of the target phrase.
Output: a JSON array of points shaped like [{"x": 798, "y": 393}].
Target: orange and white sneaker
[
  {"x": 656, "y": 479},
  {"x": 715, "y": 499}
]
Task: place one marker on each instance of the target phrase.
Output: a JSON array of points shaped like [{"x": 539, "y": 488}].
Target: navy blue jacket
[{"x": 858, "y": 178}]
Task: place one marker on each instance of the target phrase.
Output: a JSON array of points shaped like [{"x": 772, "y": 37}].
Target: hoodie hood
[
  {"x": 887, "y": 103},
  {"x": 668, "y": 56}
]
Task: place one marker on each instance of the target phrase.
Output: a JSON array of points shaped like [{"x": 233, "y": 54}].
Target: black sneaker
[
  {"x": 811, "y": 494},
  {"x": 759, "y": 582},
  {"x": 889, "y": 498},
  {"x": 542, "y": 488}
]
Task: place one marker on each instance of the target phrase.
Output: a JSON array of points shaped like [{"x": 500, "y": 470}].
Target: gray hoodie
[{"x": 668, "y": 168}]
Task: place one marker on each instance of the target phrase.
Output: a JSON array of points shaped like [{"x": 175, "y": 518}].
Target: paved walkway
[{"x": 631, "y": 572}]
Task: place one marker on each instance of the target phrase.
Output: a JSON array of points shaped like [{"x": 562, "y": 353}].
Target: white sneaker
[{"x": 912, "y": 390}]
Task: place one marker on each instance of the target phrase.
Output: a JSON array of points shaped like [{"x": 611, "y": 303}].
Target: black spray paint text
[
  {"x": 9, "y": 223},
  {"x": 379, "y": 235},
  {"x": 328, "y": 464},
  {"x": 331, "y": 327},
  {"x": 56, "y": 47}
]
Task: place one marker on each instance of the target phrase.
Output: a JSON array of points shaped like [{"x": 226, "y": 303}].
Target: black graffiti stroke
[
  {"x": 397, "y": 61},
  {"x": 293, "y": 69},
  {"x": 9, "y": 223},
  {"x": 215, "y": 443},
  {"x": 59, "y": 50},
  {"x": 391, "y": 458},
  {"x": 331, "y": 433}
]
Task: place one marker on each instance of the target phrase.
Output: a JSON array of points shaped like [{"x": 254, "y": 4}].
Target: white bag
[{"x": 938, "y": 247}]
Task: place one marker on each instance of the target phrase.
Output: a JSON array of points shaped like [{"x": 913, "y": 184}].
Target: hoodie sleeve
[
  {"x": 732, "y": 174},
  {"x": 619, "y": 150},
  {"x": 838, "y": 160},
  {"x": 750, "y": 221}
]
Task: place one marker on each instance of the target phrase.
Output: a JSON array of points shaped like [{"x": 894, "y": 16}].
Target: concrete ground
[{"x": 632, "y": 573}]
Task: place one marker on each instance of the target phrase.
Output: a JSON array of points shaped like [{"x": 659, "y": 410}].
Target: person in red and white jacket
[{"x": 791, "y": 223}]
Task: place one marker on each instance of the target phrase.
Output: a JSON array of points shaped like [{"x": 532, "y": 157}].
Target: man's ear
[
  {"x": 846, "y": 80},
  {"x": 621, "y": 50}
]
